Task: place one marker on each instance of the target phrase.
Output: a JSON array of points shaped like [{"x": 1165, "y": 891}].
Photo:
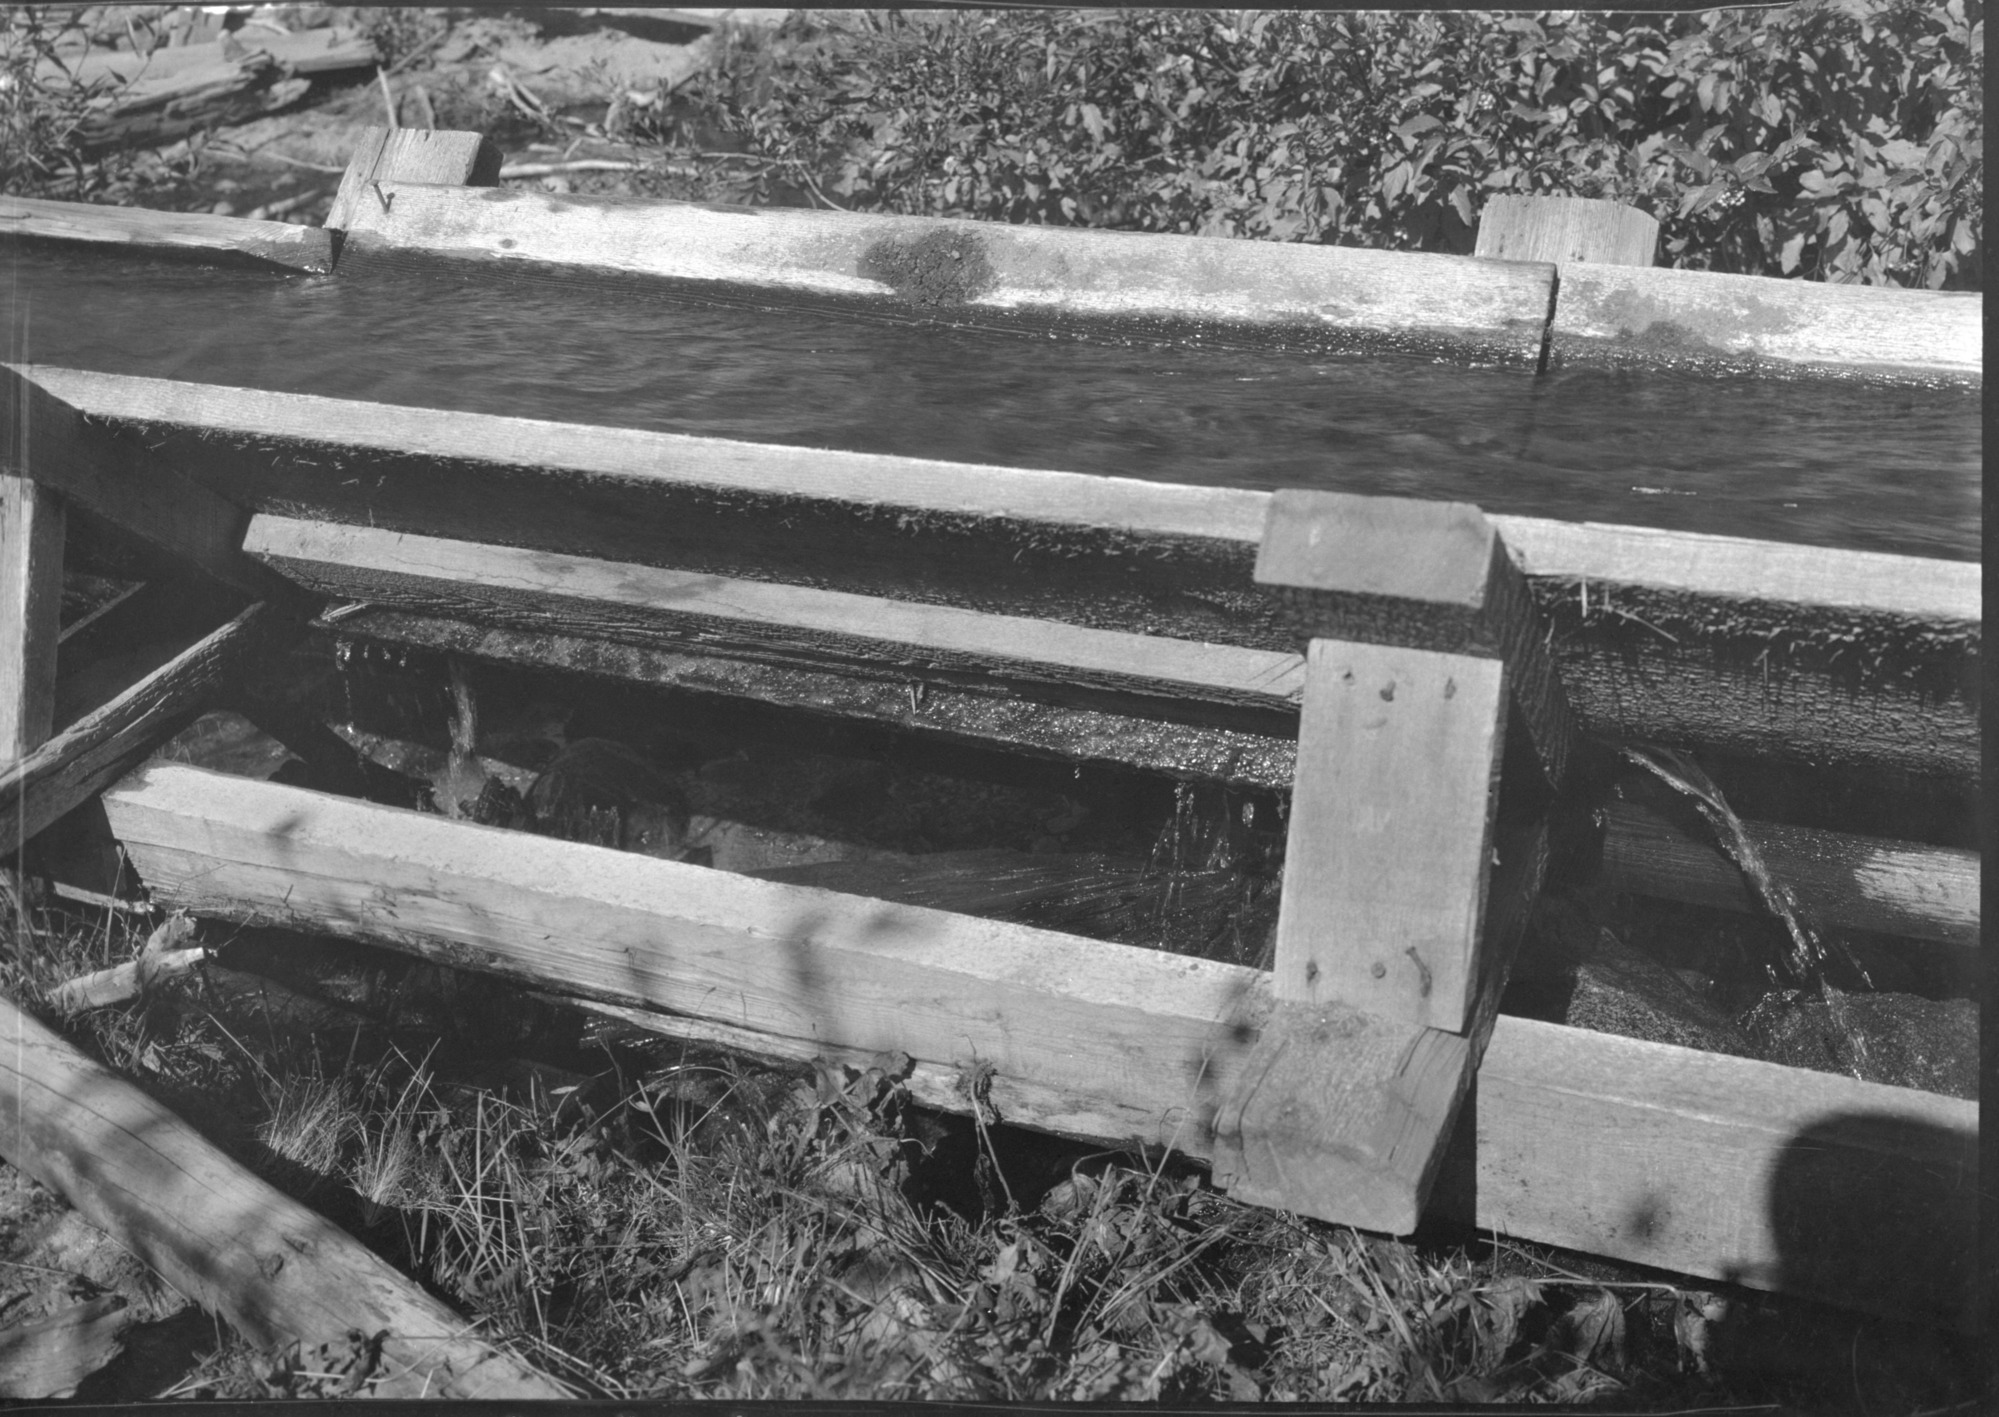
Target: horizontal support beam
[
  {"x": 1837, "y": 659},
  {"x": 1691, "y": 1162},
  {"x": 986, "y": 272},
  {"x": 549, "y": 592},
  {"x": 1066, "y": 732},
  {"x": 1136, "y": 1043},
  {"x": 1849, "y": 882},
  {"x": 94, "y": 751},
  {"x": 272, "y": 244},
  {"x": 278, "y": 1272}
]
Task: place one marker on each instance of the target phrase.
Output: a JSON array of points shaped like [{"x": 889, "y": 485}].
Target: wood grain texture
[
  {"x": 1633, "y": 1150},
  {"x": 1565, "y": 230},
  {"x": 988, "y": 272},
  {"x": 31, "y": 554},
  {"x": 423, "y": 155},
  {"x": 75, "y": 764},
  {"x": 989, "y": 716},
  {"x": 1844, "y": 882},
  {"x": 1625, "y": 314},
  {"x": 1737, "y": 1170},
  {"x": 118, "y": 480},
  {"x": 306, "y": 52},
  {"x": 1789, "y": 652},
  {"x": 1390, "y": 831},
  {"x": 226, "y": 238},
  {"x": 1426, "y": 575},
  {"x": 235, "y": 1245},
  {"x": 540, "y": 591}
]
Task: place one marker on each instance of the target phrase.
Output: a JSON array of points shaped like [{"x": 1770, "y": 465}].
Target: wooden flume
[{"x": 1378, "y": 690}]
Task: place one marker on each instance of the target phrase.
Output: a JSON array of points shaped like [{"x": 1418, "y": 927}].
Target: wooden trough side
[
  {"x": 270, "y": 244},
  {"x": 982, "y": 272},
  {"x": 1698, "y": 1163},
  {"x": 1845, "y": 660}
]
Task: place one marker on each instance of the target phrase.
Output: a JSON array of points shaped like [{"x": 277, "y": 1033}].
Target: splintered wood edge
[
  {"x": 1690, "y": 1141},
  {"x": 1723, "y": 568}
]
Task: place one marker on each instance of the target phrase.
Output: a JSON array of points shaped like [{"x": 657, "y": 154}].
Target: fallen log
[{"x": 280, "y": 1274}]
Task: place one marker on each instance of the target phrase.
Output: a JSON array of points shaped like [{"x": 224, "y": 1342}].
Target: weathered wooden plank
[
  {"x": 1680, "y": 1152},
  {"x": 76, "y": 763},
  {"x": 121, "y": 482},
  {"x": 1391, "y": 831},
  {"x": 987, "y": 272},
  {"x": 1839, "y": 659},
  {"x": 986, "y": 716},
  {"x": 306, "y": 52},
  {"x": 237, "y": 1246},
  {"x": 31, "y": 548},
  {"x": 1843, "y": 881},
  {"x": 1625, "y": 313},
  {"x": 1852, "y": 1192},
  {"x": 1565, "y": 230},
  {"x": 542, "y": 591},
  {"x": 266, "y": 243},
  {"x": 1425, "y": 575},
  {"x": 403, "y": 155},
  {"x": 1097, "y": 1031}
]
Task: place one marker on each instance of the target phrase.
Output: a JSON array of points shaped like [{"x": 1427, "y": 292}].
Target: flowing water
[{"x": 1832, "y": 462}]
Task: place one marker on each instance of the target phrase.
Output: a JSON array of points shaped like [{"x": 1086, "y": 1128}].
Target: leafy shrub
[{"x": 1838, "y": 139}]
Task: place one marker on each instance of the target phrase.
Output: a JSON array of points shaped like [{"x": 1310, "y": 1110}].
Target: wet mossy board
[
  {"x": 1699, "y": 1163},
  {"x": 1840, "y": 661}
]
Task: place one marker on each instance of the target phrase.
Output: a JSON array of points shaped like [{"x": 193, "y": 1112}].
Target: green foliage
[
  {"x": 1838, "y": 139},
  {"x": 41, "y": 109}
]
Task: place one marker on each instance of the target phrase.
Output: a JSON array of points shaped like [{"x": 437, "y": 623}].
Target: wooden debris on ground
[{"x": 51, "y": 1357}]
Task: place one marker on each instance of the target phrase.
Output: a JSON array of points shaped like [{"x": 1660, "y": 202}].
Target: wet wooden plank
[
  {"x": 547, "y": 592},
  {"x": 278, "y": 1272},
  {"x": 266, "y": 243}
]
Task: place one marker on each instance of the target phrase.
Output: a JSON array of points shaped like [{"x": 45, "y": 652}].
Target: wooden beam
[
  {"x": 989, "y": 273},
  {"x": 403, "y": 155},
  {"x": 74, "y": 765},
  {"x": 1850, "y": 882},
  {"x": 1565, "y": 230},
  {"x": 1832, "y": 658},
  {"x": 1113, "y": 1040},
  {"x": 988, "y": 717},
  {"x": 541, "y": 592},
  {"x": 1624, "y": 314},
  {"x": 235, "y": 1245},
  {"x": 31, "y": 549},
  {"x": 1424, "y": 575},
  {"x": 120, "y": 481},
  {"x": 236, "y": 239},
  {"x": 1680, "y": 1151},
  {"x": 1746, "y": 1172}
]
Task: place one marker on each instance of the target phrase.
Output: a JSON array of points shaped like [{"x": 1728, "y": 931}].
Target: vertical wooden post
[
  {"x": 1565, "y": 229},
  {"x": 412, "y": 155},
  {"x": 1420, "y": 633},
  {"x": 31, "y": 547}
]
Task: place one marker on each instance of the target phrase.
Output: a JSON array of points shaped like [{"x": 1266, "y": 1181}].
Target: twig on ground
[
  {"x": 271, "y": 211},
  {"x": 553, "y": 169},
  {"x": 421, "y": 50},
  {"x": 388, "y": 98}
]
